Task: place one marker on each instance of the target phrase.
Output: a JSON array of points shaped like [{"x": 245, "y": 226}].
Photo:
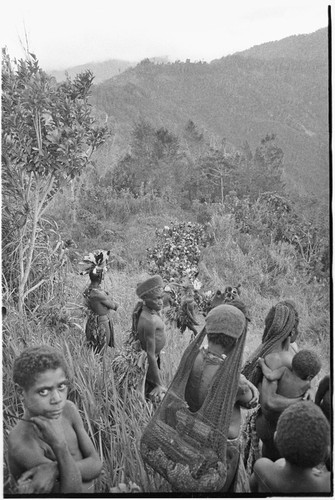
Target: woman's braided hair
[{"x": 281, "y": 321}]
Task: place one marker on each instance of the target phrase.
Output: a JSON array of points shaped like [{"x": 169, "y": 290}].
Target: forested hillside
[{"x": 239, "y": 98}]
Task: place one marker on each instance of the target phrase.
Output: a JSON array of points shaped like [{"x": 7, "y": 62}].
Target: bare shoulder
[
  {"x": 71, "y": 411},
  {"x": 276, "y": 360}
]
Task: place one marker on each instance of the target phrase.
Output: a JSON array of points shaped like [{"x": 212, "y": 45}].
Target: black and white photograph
[{"x": 166, "y": 251}]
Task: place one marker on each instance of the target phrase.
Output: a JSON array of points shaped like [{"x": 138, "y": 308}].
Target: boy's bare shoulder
[{"x": 70, "y": 411}]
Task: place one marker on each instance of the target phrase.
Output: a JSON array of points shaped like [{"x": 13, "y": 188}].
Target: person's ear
[{"x": 19, "y": 391}]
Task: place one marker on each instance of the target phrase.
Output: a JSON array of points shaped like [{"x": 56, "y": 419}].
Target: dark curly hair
[
  {"x": 35, "y": 360},
  {"x": 303, "y": 434},
  {"x": 306, "y": 364},
  {"x": 221, "y": 339}
]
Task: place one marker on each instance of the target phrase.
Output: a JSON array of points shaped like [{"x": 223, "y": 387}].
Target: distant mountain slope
[
  {"x": 102, "y": 70},
  {"x": 308, "y": 47},
  {"x": 238, "y": 97}
]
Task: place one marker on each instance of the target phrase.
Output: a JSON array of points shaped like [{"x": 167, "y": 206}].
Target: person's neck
[
  {"x": 297, "y": 470},
  {"x": 216, "y": 349},
  {"x": 95, "y": 285},
  {"x": 148, "y": 309}
]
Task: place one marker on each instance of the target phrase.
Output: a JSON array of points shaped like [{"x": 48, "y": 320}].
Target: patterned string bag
[{"x": 189, "y": 449}]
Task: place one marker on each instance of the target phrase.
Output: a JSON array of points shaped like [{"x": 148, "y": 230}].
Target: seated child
[
  {"x": 302, "y": 438},
  {"x": 295, "y": 382},
  {"x": 49, "y": 449}
]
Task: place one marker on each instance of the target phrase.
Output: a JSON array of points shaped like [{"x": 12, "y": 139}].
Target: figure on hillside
[
  {"x": 281, "y": 325},
  {"x": 99, "y": 327},
  {"x": 49, "y": 449},
  {"x": 225, "y": 325},
  {"x": 193, "y": 439},
  {"x": 302, "y": 438},
  {"x": 139, "y": 361},
  {"x": 186, "y": 317}
]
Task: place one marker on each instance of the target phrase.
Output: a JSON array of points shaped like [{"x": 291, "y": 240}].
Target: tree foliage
[{"x": 48, "y": 136}]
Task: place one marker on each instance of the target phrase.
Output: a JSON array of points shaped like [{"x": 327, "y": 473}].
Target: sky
[{"x": 65, "y": 33}]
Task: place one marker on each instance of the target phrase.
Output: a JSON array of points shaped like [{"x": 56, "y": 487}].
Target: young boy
[
  {"x": 295, "y": 382},
  {"x": 302, "y": 437},
  {"x": 49, "y": 449}
]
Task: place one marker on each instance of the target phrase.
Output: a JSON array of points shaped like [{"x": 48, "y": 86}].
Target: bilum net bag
[{"x": 189, "y": 449}]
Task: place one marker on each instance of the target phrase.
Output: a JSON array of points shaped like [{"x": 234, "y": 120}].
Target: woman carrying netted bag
[{"x": 193, "y": 440}]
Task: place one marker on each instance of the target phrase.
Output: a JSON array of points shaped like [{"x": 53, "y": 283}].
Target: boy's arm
[
  {"x": 52, "y": 433},
  {"x": 90, "y": 466},
  {"x": 271, "y": 375},
  {"x": 40, "y": 472}
]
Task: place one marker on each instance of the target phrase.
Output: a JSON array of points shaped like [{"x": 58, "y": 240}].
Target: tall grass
[{"x": 115, "y": 425}]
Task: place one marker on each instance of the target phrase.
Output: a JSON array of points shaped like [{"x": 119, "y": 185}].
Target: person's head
[
  {"x": 303, "y": 434},
  {"x": 281, "y": 322},
  {"x": 41, "y": 377},
  {"x": 151, "y": 292},
  {"x": 96, "y": 276},
  {"x": 306, "y": 364},
  {"x": 224, "y": 325}
]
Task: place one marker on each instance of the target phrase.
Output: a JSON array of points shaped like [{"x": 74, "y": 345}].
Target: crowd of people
[{"x": 281, "y": 444}]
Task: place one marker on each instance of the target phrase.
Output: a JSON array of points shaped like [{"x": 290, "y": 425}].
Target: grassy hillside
[
  {"x": 267, "y": 274},
  {"x": 240, "y": 98}
]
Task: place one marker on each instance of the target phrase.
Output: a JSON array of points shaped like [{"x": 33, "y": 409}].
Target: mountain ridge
[{"x": 240, "y": 98}]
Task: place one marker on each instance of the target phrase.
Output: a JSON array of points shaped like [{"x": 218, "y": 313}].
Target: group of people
[{"x": 283, "y": 446}]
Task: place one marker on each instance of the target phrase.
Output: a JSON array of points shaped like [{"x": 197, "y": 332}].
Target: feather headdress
[{"x": 95, "y": 261}]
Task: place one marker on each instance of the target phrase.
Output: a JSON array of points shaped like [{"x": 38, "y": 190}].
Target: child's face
[{"x": 47, "y": 395}]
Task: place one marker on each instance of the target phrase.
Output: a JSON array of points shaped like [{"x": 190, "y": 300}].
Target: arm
[
  {"x": 40, "y": 472},
  {"x": 109, "y": 303},
  {"x": 271, "y": 375},
  {"x": 270, "y": 400},
  {"x": 51, "y": 431},
  {"x": 150, "y": 347},
  {"x": 247, "y": 394},
  {"x": 90, "y": 466}
]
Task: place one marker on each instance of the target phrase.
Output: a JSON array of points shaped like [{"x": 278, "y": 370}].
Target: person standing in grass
[
  {"x": 149, "y": 327},
  {"x": 302, "y": 438},
  {"x": 49, "y": 450},
  {"x": 99, "y": 327},
  {"x": 226, "y": 327},
  {"x": 281, "y": 327}
]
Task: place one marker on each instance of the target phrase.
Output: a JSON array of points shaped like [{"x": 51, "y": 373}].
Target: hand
[
  {"x": 255, "y": 395},
  {"x": 309, "y": 395},
  {"x": 39, "y": 479},
  {"x": 50, "y": 430},
  {"x": 157, "y": 394}
]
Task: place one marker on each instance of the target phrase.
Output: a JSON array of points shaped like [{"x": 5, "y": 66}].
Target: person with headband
[{"x": 149, "y": 327}]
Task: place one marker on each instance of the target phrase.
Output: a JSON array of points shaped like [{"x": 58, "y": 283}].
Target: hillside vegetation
[{"x": 239, "y": 98}]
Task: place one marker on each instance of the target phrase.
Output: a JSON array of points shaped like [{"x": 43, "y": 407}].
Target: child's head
[
  {"x": 306, "y": 364},
  {"x": 302, "y": 435},
  {"x": 35, "y": 360}
]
